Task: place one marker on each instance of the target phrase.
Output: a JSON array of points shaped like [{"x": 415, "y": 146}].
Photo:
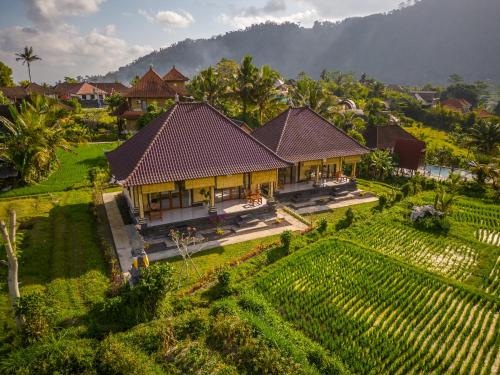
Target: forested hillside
[{"x": 415, "y": 45}]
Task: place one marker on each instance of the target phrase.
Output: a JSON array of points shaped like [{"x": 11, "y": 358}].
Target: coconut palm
[
  {"x": 443, "y": 200},
  {"x": 32, "y": 139},
  {"x": 27, "y": 57},
  {"x": 265, "y": 90},
  {"x": 311, "y": 93},
  {"x": 245, "y": 83},
  {"x": 482, "y": 172},
  {"x": 485, "y": 135},
  {"x": 207, "y": 86},
  {"x": 348, "y": 120}
]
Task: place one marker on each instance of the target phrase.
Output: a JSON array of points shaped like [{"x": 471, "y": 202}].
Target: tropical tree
[
  {"x": 245, "y": 83},
  {"x": 308, "y": 92},
  {"x": 485, "y": 136},
  {"x": 381, "y": 164},
  {"x": 207, "y": 86},
  {"x": 265, "y": 90},
  {"x": 375, "y": 111},
  {"x": 32, "y": 139},
  {"x": 27, "y": 57},
  {"x": 348, "y": 120},
  {"x": 443, "y": 199},
  {"x": 5, "y": 75},
  {"x": 482, "y": 172}
]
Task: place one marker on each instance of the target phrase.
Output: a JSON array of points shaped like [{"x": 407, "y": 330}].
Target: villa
[
  {"x": 317, "y": 150},
  {"x": 190, "y": 162},
  {"x": 151, "y": 88}
]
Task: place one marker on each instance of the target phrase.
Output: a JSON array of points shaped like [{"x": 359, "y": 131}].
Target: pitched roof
[
  {"x": 174, "y": 75},
  {"x": 385, "y": 137},
  {"x": 191, "y": 140},
  {"x": 453, "y": 104},
  {"x": 16, "y": 92},
  {"x": 78, "y": 88},
  {"x": 151, "y": 85},
  {"x": 111, "y": 87},
  {"x": 300, "y": 134}
]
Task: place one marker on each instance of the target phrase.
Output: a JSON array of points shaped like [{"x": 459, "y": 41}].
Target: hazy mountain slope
[{"x": 422, "y": 43}]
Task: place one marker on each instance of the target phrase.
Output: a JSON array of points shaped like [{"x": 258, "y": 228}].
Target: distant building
[
  {"x": 426, "y": 98},
  {"x": 457, "y": 105},
  {"x": 151, "y": 88},
  {"x": 111, "y": 87},
  {"x": 17, "y": 94},
  {"x": 393, "y": 138},
  {"x": 87, "y": 94}
]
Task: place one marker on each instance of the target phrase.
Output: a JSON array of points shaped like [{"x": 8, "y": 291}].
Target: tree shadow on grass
[{"x": 98, "y": 161}]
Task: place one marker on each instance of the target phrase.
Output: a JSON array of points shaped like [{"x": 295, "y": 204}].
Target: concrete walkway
[
  {"x": 120, "y": 231},
  {"x": 295, "y": 225}
]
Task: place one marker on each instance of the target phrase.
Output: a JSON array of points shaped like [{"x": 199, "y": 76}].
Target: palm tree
[
  {"x": 348, "y": 120},
  {"x": 381, "y": 163},
  {"x": 207, "y": 86},
  {"x": 482, "y": 172},
  {"x": 32, "y": 139},
  {"x": 485, "y": 135},
  {"x": 265, "y": 90},
  {"x": 27, "y": 57},
  {"x": 245, "y": 83},
  {"x": 443, "y": 200},
  {"x": 311, "y": 93}
]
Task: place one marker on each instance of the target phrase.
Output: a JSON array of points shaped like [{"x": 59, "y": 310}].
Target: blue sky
[{"x": 80, "y": 37}]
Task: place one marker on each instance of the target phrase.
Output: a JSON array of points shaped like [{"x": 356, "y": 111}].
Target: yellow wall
[
  {"x": 232, "y": 180},
  {"x": 135, "y": 103},
  {"x": 198, "y": 196},
  {"x": 158, "y": 188},
  {"x": 199, "y": 183},
  {"x": 352, "y": 159},
  {"x": 263, "y": 177}
]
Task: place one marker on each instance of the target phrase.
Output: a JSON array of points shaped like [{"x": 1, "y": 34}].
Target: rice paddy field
[
  {"x": 382, "y": 316},
  {"x": 386, "y": 297}
]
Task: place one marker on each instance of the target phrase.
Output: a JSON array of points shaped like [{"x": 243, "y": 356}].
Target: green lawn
[
  {"x": 72, "y": 173},
  {"x": 59, "y": 254},
  {"x": 362, "y": 209},
  {"x": 214, "y": 258},
  {"x": 436, "y": 139}
]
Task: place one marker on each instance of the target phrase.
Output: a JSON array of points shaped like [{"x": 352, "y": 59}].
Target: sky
[{"x": 87, "y": 37}]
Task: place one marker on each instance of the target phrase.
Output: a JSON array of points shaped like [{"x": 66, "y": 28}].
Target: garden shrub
[
  {"x": 37, "y": 315},
  {"x": 55, "y": 356},
  {"x": 346, "y": 221},
  {"x": 322, "y": 225},
  {"x": 253, "y": 302},
  {"x": 226, "y": 306},
  {"x": 286, "y": 239},
  {"x": 382, "y": 201},
  {"x": 433, "y": 224},
  {"x": 191, "y": 325},
  {"x": 115, "y": 357},
  {"x": 406, "y": 189},
  {"x": 398, "y": 196}
]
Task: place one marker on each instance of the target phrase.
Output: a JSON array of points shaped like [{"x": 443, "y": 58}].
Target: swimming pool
[{"x": 444, "y": 172}]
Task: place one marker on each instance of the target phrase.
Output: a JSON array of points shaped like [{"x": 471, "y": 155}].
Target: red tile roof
[
  {"x": 111, "y": 87},
  {"x": 66, "y": 89},
  {"x": 174, "y": 75},
  {"x": 191, "y": 140},
  {"x": 20, "y": 92},
  {"x": 151, "y": 85},
  {"x": 385, "y": 137},
  {"x": 460, "y": 105},
  {"x": 300, "y": 134}
]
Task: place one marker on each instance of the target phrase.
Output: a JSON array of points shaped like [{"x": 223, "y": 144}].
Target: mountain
[{"x": 422, "y": 43}]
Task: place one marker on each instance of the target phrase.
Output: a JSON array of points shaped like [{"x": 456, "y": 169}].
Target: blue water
[{"x": 444, "y": 172}]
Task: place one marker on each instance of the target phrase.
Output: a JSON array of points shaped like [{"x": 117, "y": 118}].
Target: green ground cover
[
  {"x": 72, "y": 173},
  {"x": 437, "y": 139},
  {"x": 59, "y": 255}
]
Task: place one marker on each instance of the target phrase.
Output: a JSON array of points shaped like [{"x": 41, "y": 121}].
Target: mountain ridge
[{"x": 422, "y": 43}]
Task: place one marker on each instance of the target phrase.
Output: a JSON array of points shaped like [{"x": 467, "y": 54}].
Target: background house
[{"x": 409, "y": 150}]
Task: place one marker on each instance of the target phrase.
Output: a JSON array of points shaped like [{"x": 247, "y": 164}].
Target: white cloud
[
  {"x": 243, "y": 20},
  {"x": 271, "y": 6},
  {"x": 45, "y": 12},
  {"x": 64, "y": 51},
  {"x": 168, "y": 18},
  {"x": 339, "y": 9}
]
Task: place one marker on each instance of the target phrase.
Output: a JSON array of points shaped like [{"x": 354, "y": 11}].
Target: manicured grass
[
  {"x": 362, "y": 209},
  {"x": 217, "y": 257},
  {"x": 72, "y": 173},
  {"x": 374, "y": 186},
  {"x": 59, "y": 254}
]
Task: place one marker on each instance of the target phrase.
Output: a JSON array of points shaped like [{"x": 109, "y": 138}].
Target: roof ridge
[
  {"x": 155, "y": 137},
  {"x": 283, "y": 130},
  {"x": 244, "y": 132}
]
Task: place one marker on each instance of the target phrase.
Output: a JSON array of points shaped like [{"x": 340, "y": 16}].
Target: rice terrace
[{"x": 308, "y": 188}]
